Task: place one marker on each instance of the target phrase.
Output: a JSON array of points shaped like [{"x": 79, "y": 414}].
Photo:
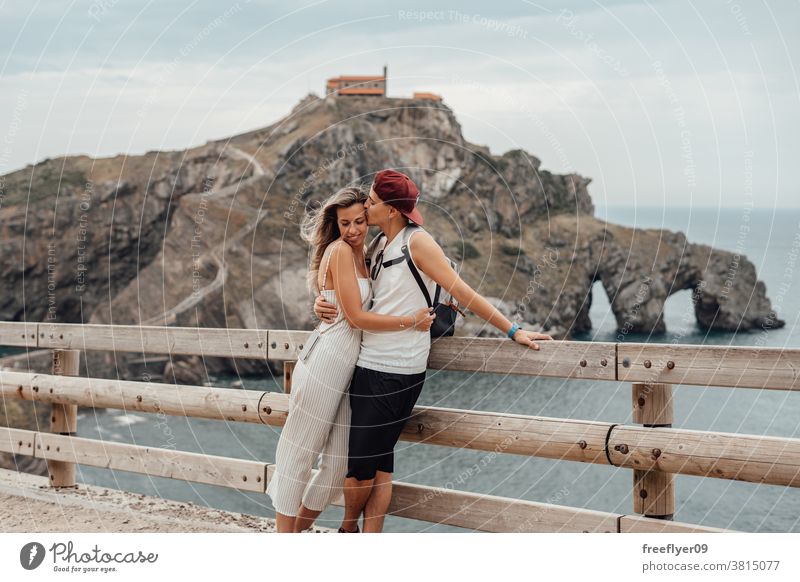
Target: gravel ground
[{"x": 27, "y": 504}]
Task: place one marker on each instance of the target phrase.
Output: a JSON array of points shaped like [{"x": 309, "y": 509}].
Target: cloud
[{"x": 584, "y": 86}]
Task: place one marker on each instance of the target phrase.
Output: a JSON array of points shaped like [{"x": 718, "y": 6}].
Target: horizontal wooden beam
[
  {"x": 14, "y": 333},
  {"x": 201, "y": 341},
  {"x": 490, "y": 513},
  {"x": 587, "y": 360},
  {"x": 738, "y": 457},
  {"x": 474, "y": 511},
  {"x": 639, "y": 524},
  {"x": 159, "y": 462},
  {"x": 239, "y": 474},
  {"x": 17, "y": 441},
  {"x": 734, "y": 366},
  {"x": 773, "y": 460},
  {"x": 285, "y": 345},
  {"x": 730, "y": 366},
  {"x": 561, "y": 359},
  {"x": 573, "y": 440},
  {"x": 553, "y": 438},
  {"x": 175, "y": 400},
  {"x": 501, "y": 514},
  {"x": 199, "y": 468}
]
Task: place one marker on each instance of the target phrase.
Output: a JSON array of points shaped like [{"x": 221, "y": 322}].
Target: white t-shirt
[{"x": 396, "y": 292}]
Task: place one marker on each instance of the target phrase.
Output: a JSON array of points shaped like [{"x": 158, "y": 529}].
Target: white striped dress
[{"x": 318, "y": 422}]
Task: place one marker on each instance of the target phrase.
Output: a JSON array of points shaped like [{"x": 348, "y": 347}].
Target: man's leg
[
  {"x": 402, "y": 393},
  {"x": 356, "y": 494},
  {"x": 378, "y": 503},
  {"x": 361, "y": 447}
]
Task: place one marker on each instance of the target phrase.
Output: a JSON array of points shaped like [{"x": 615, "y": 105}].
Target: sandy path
[{"x": 27, "y": 504}]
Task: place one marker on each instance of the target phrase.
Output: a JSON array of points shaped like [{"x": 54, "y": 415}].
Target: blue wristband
[{"x": 514, "y": 329}]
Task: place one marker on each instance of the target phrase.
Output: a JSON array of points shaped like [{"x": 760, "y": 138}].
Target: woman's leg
[
  {"x": 313, "y": 407},
  {"x": 326, "y": 484},
  {"x": 305, "y": 518},
  {"x": 284, "y": 523}
]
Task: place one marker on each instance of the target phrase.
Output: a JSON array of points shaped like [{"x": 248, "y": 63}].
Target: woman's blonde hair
[{"x": 320, "y": 227}]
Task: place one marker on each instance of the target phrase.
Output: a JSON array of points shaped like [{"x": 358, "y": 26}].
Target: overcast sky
[{"x": 661, "y": 103}]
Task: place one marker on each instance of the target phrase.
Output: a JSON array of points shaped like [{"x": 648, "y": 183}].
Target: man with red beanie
[{"x": 390, "y": 371}]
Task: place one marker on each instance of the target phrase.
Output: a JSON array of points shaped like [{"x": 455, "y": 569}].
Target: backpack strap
[
  {"x": 437, "y": 293},
  {"x": 410, "y": 229},
  {"x": 371, "y": 249},
  {"x": 391, "y": 262}
]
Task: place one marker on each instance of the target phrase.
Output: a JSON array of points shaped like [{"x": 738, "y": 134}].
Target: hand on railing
[{"x": 527, "y": 338}]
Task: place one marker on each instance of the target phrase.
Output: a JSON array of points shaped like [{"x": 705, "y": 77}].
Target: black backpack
[{"x": 443, "y": 306}]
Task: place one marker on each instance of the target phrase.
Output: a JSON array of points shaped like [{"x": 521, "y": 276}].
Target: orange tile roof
[
  {"x": 360, "y": 91},
  {"x": 357, "y": 78}
]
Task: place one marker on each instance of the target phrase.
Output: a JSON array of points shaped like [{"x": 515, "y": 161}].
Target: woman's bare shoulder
[
  {"x": 340, "y": 250},
  {"x": 327, "y": 262}
]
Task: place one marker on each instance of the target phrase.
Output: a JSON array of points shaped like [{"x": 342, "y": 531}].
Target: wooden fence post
[
  {"x": 288, "y": 370},
  {"x": 64, "y": 418},
  {"x": 653, "y": 491}
]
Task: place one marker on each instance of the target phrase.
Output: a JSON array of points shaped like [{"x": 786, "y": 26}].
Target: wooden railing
[{"x": 651, "y": 448}]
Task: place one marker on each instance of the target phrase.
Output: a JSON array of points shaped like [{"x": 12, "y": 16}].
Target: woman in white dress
[{"x": 318, "y": 422}]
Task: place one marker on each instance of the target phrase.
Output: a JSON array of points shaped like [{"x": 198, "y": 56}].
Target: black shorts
[{"x": 381, "y": 403}]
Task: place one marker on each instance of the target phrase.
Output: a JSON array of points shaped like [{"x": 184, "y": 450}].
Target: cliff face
[{"x": 209, "y": 236}]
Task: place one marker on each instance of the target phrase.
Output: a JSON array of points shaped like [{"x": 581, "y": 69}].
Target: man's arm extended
[{"x": 429, "y": 257}]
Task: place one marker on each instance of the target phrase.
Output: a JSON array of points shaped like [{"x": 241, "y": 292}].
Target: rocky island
[{"x": 209, "y": 236}]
